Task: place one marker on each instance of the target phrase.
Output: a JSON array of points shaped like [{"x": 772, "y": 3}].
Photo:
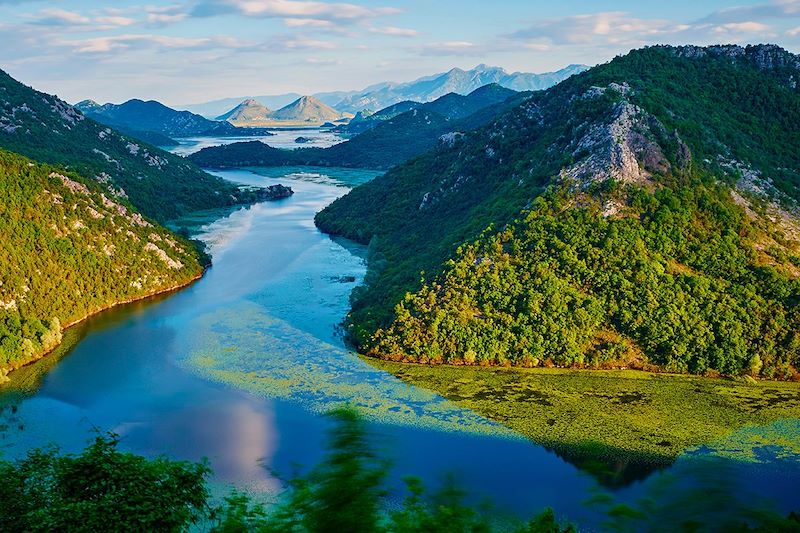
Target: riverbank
[
  {"x": 608, "y": 420},
  {"x": 6, "y": 371}
]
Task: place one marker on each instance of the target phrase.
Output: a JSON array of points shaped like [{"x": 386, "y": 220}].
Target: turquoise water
[{"x": 240, "y": 366}]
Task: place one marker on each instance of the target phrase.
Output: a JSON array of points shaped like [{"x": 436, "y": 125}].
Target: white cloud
[
  {"x": 777, "y": 9},
  {"x": 611, "y": 26},
  {"x": 741, "y": 27},
  {"x": 115, "y": 20},
  {"x": 449, "y": 48},
  {"x": 294, "y": 43},
  {"x": 321, "y": 62},
  {"x": 394, "y": 31},
  {"x": 59, "y": 17},
  {"x": 620, "y": 29},
  {"x": 309, "y": 23},
  {"x": 291, "y": 9},
  {"x": 100, "y": 45},
  {"x": 166, "y": 14}
]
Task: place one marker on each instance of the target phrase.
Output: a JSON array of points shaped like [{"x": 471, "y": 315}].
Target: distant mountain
[
  {"x": 248, "y": 111},
  {"x": 450, "y": 106},
  {"x": 151, "y": 116},
  {"x": 216, "y": 108},
  {"x": 307, "y": 109},
  {"x": 383, "y": 143},
  {"x": 456, "y": 81},
  {"x": 427, "y": 89},
  {"x": 160, "y": 184}
]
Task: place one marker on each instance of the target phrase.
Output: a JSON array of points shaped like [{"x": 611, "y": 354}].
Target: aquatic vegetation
[
  {"x": 244, "y": 346},
  {"x": 623, "y": 419}
]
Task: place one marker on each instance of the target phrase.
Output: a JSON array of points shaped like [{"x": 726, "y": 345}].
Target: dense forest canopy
[{"x": 665, "y": 236}]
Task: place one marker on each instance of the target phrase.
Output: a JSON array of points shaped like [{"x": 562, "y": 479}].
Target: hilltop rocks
[
  {"x": 767, "y": 57},
  {"x": 627, "y": 148}
]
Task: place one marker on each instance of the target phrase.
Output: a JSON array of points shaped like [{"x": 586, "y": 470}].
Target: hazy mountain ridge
[
  {"x": 649, "y": 149},
  {"x": 456, "y": 81},
  {"x": 382, "y": 143},
  {"x": 425, "y": 89},
  {"x": 151, "y": 116}
]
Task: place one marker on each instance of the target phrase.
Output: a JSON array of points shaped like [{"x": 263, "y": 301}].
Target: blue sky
[{"x": 187, "y": 51}]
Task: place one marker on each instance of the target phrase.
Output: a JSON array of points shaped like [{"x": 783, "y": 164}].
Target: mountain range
[
  {"x": 304, "y": 111},
  {"x": 426, "y": 89},
  {"x": 457, "y": 81},
  {"x": 384, "y": 141},
  {"x": 642, "y": 214},
  {"x": 139, "y": 119}
]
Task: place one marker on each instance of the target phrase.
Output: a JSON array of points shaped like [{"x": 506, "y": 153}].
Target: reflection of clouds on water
[
  {"x": 235, "y": 436},
  {"x": 220, "y": 234}
]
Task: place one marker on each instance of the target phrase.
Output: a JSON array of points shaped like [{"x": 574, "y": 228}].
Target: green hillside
[
  {"x": 68, "y": 249},
  {"x": 640, "y": 214}
]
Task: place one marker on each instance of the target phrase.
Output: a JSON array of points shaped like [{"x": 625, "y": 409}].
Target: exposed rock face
[
  {"x": 308, "y": 109},
  {"x": 625, "y": 148}
]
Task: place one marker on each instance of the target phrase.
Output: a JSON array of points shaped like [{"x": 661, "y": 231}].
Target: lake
[
  {"x": 283, "y": 138},
  {"x": 241, "y": 366}
]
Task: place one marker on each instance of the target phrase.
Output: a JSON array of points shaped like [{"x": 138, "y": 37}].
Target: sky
[{"x": 191, "y": 51}]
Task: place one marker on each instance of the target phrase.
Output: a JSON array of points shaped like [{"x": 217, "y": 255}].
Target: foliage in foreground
[
  {"x": 104, "y": 489},
  {"x": 347, "y": 492}
]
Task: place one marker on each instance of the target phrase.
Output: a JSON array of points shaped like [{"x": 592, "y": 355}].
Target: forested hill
[
  {"x": 389, "y": 142},
  {"x": 67, "y": 250},
  {"x": 159, "y": 184},
  {"x": 641, "y": 214}
]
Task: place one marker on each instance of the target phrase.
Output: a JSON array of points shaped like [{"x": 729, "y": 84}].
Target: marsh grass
[{"x": 619, "y": 425}]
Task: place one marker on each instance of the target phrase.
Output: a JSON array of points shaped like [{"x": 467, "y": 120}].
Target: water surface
[{"x": 283, "y": 138}]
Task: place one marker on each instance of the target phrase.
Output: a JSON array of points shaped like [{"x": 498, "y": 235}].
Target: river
[{"x": 240, "y": 367}]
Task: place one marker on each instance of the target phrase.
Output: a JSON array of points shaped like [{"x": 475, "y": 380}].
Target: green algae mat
[{"x": 622, "y": 418}]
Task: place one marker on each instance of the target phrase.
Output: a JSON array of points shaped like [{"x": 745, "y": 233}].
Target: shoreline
[{"x": 6, "y": 372}]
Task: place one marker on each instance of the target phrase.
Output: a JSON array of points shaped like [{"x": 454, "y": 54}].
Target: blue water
[{"x": 241, "y": 366}]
